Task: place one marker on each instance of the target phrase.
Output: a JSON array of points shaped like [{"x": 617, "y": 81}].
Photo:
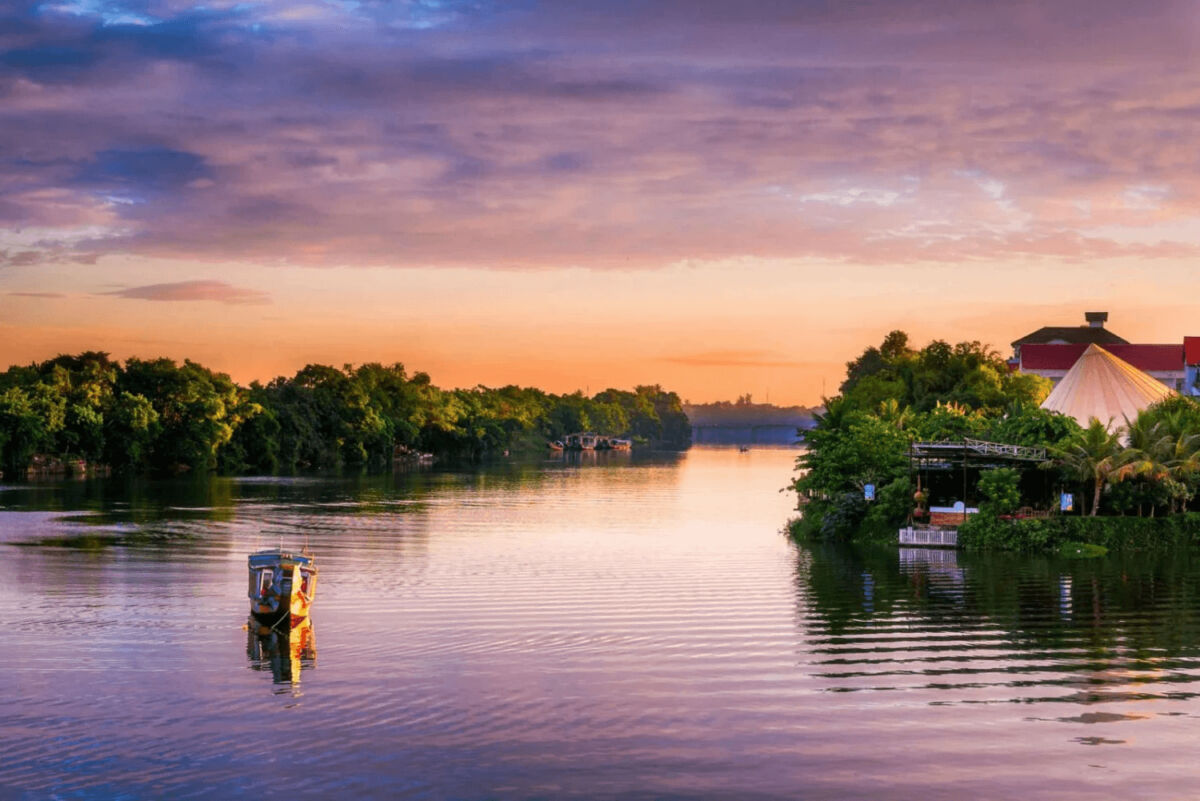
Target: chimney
[{"x": 1096, "y": 319}]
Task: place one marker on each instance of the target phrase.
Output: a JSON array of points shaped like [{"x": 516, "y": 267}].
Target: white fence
[{"x": 939, "y": 537}]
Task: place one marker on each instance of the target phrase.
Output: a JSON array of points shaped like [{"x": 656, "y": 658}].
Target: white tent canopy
[{"x": 1102, "y": 386}]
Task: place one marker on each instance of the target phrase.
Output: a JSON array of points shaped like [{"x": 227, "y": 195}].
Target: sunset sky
[{"x": 721, "y": 197}]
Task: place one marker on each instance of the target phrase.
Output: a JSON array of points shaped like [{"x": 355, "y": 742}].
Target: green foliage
[
  {"x": 1094, "y": 456},
  {"x": 131, "y": 427},
  {"x": 1001, "y": 492},
  {"x": 859, "y": 449},
  {"x": 1027, "y": 424},
  {"x": 843, "y": 516},
  {"x": 24, "y": 431},
  {"x": 982, "y": 532},
  {"x": 1081, "y": 550},
  {"x": 889, "y": 510},
  {"x": 968, "y": 374},
  {"x": 160, "y": 416},
  {"x": 949, "y": 422},
  {"x": 848, "y": 515},
  {"x": 894, "y": 395}
]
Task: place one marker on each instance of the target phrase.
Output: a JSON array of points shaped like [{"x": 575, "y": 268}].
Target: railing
[
  {"x": 976, "y": 448},
  {"x": 1011, "y": 451},
  {"x": 921, "y": 535}
]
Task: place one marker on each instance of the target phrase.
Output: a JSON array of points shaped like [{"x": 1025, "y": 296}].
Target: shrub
[
  {"x": 984, "y": 532},
  {"x": 1001, "y": 491},
  {"x": 888, "y": 511},
  {"x": 842, "y": 519}
]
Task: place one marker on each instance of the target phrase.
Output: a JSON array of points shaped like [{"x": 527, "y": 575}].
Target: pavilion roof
[{"x": 1105, "y": 387}]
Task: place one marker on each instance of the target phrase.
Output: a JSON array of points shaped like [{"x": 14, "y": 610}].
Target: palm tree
[
  {"x": 1185, "y": 466},
  {"x": 1181, "y": 449},
  {"x": 1148, "y": 454},
  {"x": 1094, "y": 455},
  {"x": 890, "y": 411}
]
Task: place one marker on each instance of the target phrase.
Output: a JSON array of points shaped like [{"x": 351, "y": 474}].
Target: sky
[{"x": 723, "y": 197}]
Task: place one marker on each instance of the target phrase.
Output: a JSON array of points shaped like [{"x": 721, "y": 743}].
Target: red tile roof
[
  {"x": 1191, "y": 350},
  {"x": 1150, "y": 358}
]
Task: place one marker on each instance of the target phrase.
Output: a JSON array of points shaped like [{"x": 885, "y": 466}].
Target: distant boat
[
  {"x": 585, "y": 441},
  {"x": 283, "y": 586},
  {"x": 556, "y": 445},
  {"x": 744, "y": 449}
]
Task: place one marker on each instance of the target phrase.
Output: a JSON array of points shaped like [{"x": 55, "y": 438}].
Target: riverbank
[{"x": 982, "y": 532}]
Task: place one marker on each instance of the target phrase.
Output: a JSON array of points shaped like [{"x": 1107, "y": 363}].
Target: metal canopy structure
[{"x": 974, "y": 453}]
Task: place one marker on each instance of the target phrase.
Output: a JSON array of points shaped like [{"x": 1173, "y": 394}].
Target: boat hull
[{"x": 277, "y": 616}]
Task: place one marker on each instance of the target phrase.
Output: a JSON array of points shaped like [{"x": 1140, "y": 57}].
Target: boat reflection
[{"x": 285, "y": 653}]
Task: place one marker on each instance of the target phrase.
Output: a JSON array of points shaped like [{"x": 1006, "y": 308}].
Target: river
[{"x": 620, "y": 627}]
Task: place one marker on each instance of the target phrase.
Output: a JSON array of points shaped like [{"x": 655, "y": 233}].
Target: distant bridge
[{"x": 756, "y": 434}]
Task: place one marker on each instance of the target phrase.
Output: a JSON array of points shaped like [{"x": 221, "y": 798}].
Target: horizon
[{"x": 718, "y": 198}]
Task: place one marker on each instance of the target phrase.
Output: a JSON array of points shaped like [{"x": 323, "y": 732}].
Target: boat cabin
[
  {"x": 281, "y": 582},
  {"x": 586, "y": 441}
]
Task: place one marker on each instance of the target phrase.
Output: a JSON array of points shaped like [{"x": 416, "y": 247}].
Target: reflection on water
[
  {"x": 284, "y": 651},
  {"x": 628, "y": 627},
  {"x": 956, "y": 629}
]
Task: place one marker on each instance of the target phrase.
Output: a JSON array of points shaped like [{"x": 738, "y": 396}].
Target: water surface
[{"x": 623, "y": 628}]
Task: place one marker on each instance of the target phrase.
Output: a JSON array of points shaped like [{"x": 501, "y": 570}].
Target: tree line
[{"x": 157, "y": 416}]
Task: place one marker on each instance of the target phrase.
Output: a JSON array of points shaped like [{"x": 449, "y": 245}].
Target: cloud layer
[
  {"x": 620, "y": 134},
  {"x": 213, "y": 291}
]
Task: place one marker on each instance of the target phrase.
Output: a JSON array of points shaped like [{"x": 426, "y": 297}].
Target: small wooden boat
[
  {"x": 283, "y": 586},
  {"x": 556, "y": 445},
  {"x": 586, "y": 441}
]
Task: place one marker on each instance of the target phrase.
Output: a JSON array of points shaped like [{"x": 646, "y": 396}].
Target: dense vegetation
[
  {"x": 158, "y": 416},
  {"x": 894, "y": 395}
]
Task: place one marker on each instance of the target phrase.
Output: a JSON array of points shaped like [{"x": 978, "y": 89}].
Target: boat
[
  {"x": 585, "y": 441},
  {"x": 283, "y": 585},
  {"x": 744, "y": 449},
  {"x": 556, "y": 445}
]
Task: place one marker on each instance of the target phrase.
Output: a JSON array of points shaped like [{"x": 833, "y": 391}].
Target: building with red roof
[{"x": 1052, "y": 351}]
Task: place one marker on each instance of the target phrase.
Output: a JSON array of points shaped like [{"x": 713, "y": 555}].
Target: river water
[{"x": 617, "y": 628}]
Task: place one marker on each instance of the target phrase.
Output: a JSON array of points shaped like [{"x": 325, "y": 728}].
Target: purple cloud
[
  {"x": 622, "y": 134},
  {"x": 213, "y": 291}
]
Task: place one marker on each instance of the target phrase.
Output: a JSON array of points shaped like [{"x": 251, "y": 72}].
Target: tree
[
  {"x": 1027, "y": 424},
  {"x": 1095, "y": 456},
  {"x": 22, "y": 429},
  {"x": 130, "y": 429},
  {"x": 1001, "y": 491},
  {"x": 865, "y": 450},
  {"x": 894, "y": 345}
]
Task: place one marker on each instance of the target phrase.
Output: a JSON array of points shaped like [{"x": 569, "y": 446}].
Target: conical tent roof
[{"x": 1102, "y": 386}]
